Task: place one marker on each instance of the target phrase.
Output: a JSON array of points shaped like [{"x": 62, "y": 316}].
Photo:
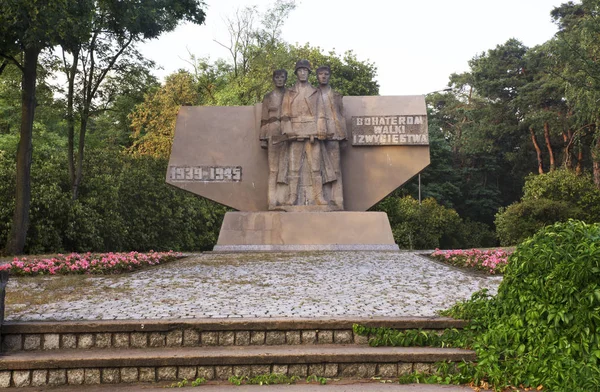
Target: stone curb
[
  {"x": 226, "y": 324},
  {"x": 231, "y": 356}
]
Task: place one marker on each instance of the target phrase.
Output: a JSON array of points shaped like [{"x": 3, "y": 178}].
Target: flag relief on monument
[{"x": 303, "y": 166}]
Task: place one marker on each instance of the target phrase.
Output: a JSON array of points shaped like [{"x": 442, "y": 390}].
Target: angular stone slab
[
  {"x": 217, "y": 136},
  {"x": 227, "y": 139},
  {"x": 297, "y": 231},
  {"x": 371, "y": 173}
]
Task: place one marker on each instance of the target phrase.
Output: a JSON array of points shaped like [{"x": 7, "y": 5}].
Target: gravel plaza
[{"x": 212, "y": 285}]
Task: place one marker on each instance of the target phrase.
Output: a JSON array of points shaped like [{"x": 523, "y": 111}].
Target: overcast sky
[{"x": 415, "y": 44}]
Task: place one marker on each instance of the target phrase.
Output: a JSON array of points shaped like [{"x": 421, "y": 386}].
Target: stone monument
[
  {"x": 292, "y": 196},
  {"x": 302, "y": 128},
  {"x": 270, "y": 130}
]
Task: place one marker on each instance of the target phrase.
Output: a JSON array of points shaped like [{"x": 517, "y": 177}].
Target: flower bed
[
  {"x": 492, "y": 261},
  {"x": 89, "y": 263}
]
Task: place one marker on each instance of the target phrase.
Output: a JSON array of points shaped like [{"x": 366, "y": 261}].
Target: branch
[
  {"x": 112, "y": 62},
  {"x": 10, "y": 59}
]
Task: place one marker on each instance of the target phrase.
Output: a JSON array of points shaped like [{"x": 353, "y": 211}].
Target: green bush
[
  {"x": 543, "y": 327},
  {"x": 124, "y": 205},
  {"x": 475, "y": 235},
  {"x": 567, "y": 186},
  {"x": 430, "y": 225},
  {"x": 420, "y": 226},
  {"x": 523, "y": 219},
  {"x": 548, "y": 198}
]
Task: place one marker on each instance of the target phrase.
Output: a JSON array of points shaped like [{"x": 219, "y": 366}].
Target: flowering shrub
[
  {"x": 492, "y": 261},
  {"x": 89, "y": 263}
]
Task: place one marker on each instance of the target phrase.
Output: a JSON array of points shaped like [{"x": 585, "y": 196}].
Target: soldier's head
[
  {"x": 302, "y": 70},
  {"x": 323, "y": 74},
  {"x": 280, "y": 77}
]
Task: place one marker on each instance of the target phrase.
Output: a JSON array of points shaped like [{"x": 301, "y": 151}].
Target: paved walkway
[{"x": 316, "y": 284}]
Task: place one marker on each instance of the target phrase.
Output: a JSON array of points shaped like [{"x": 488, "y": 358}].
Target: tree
[
  {"x": 153, "y": 121},
  {"x": 26, "y": 28},
  {"x": 577, "y": 47},
  {"x": 541, "y": 100},
  {"x": 105, "y": 43},
  {"x": 29, "y": 27},
  {"x": 256, "y": 50}
]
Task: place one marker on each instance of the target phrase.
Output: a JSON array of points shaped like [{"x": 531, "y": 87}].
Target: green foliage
[
  {"x": 543, "y": 327},
  {"x": 480, "y": 302},
  {"x": 32, "y": 24},
  {"x": 548, "y": 198},
  {"x": 470, "y": 142},
  {"x": 419, "y": 226},
  {"x": 430, "y": 225},
  {"x": 521, "y": 220},
  {"x": 183, "y": 383},
  {"x": 349, "y": 76},
  {"x": 475, "y": 235},
  {"x": 179, "y": 384},
  {"x": 445, "y": 374},
  {"x": 317, "y": 379},
  {"x": 124, "y": 205},
  {"x": 566, "y": 185},
  {"x": 199, "y": 381},
  {"x": 153, "y": 121},
  {"x": 264, "y": 379},
  {"x": 410, "y": 337}
]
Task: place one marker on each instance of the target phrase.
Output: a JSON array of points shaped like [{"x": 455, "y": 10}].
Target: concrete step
[
  {"x": 114, "y": 366},
  {"x": 124, "y": 334},
  {"x": 300, "y": 386}
]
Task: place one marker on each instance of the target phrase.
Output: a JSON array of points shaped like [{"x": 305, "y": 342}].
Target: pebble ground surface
[{"x": 211, "y": 285}]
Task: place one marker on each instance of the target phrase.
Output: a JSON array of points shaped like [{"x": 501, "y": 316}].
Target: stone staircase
[{"x": 148, "y": 351}]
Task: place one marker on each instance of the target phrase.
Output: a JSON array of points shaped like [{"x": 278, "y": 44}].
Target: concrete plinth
[{"x": 305, "y": 231}]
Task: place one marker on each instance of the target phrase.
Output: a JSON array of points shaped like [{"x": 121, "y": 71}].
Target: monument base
[{"x": 305, "y": 231}]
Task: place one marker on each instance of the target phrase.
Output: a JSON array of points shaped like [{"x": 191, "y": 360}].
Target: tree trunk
[
  {"x": 549, "y": 146},
  {"x": 568, "y": 145},
  {"x": 596, "y": 156},
  {"x": 79, "y": 172},
  {"x": 538, "y": 150},
  {"x": 579, "y": 167},
  {"x": 70, "y": 115},
  {"x": 18, "y": 231}
]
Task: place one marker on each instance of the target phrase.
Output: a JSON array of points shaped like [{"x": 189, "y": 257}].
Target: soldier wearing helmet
[{"x": 299, "y": 127}]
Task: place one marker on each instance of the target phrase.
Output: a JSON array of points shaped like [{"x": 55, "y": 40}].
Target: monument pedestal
[{"x": 305, "y": 231}]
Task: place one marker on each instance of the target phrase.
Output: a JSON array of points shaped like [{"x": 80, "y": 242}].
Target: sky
[{"x": 416, "y": 45}]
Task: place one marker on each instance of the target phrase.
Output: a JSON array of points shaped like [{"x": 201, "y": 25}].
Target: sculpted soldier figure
[
  {"x": 309, "y": 166},
  {"x": 331, "y": 123},
  {"x": 270, "y": 130}
]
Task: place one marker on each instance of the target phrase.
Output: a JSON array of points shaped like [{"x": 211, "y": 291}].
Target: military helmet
[{"x": 302, "y": 64}]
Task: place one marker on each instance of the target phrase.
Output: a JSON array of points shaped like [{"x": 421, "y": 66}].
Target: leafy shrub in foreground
[{"x": 543, "y": 327}]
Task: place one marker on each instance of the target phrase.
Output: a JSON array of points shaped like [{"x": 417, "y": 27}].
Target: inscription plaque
[
  {"x": 389, "y": 130},
  {"x": 205, "y": 173}
]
